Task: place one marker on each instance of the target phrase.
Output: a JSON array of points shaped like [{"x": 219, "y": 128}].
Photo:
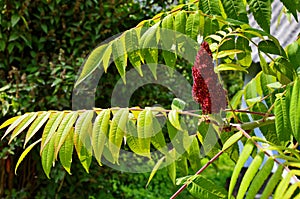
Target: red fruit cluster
[{"x": 207, "y": 90}]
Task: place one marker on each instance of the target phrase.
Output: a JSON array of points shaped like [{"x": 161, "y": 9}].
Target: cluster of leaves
[{"x": 272, "y": 98}]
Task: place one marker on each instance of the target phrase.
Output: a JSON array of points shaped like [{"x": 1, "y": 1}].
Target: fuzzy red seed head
[{"x": 206, "y": 85}]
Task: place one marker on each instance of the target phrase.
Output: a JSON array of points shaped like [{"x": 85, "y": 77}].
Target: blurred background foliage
[{"x": 42, "y": 46}]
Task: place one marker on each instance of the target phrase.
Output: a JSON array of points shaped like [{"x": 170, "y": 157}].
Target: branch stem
[{"x": 197, "y": 173}]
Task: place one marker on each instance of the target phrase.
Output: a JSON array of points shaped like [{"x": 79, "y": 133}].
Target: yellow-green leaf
[
  {"x": 25, "y": 152},
  {"x": 192, "y": 25},
  {"x": 23, "y": 125},
  {"x": 117, "y": 131},
  {"x": 48, "y": 159},
  {"x": 145, "y": 131},
  {"x": 226, "y": 53},
  {"x": 294, "y": 109},
  {"x": 174, "y": 119},
  {"x": 50, "y": 128},
  {"x": 36, "y": 125},
  {"x": 9, "y": 122},
  {"x": 230, "y": 66},
  {"x": 232, "y": 140},
  {"x": 66, "y": 151},
  {"x": 120, "y": 56},
  {"x": 155, "y": 169},
  {"x": 92, "y": 63},
  {"x": 83, "y": 147},
  {"x": 100, "y": 133},
  {"x": 64, "y": 129}
]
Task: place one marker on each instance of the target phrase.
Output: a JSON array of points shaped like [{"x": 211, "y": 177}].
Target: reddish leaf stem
[{"x": 198, "y": 172}]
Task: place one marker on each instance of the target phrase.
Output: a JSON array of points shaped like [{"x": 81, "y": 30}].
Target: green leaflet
[
  {"x": 64, "y": 129},
  {"x": 250, "y": 173},
  {"x": 178, "y": 104},
  {"x": 293, "y": 51},
  {"x": 272, "y": 183},
  {"x": 92, "y": 63},
  {"x": 149, "y": 43},
  {"x": 230, "y": 66},
  {"x": 239, "y": 165},
  {"x": 171, "y": 168},
  {"x": 22, "y": 125},
  {"x": 225, "y": 53},
  {"x": 151, "y": 37},
  {"x": 236, "y": 100},
  {"x": 251, "y": 92},
  {"x": 83, "y": 147},
  {"x": 173, "y": 117},
  {"x": 158, "y": 140},
  {"x": 47, "y": 155},
  {"x": 50, "y": 128},
  {"x": 100, "y": 133},
  {"x": 235, "y": 10},
  {"x": 283, "y": 186},
  {"x": 132, "y": 43},
  {"x": 36, "y": 125},
  {"x": 203, "y": 188},
  {"x": 283, "y": 126},
  {"x": 106, "y": 57},
  {"x": 265, "y": 82},
  {"x": 291, "y": 190},
  {"x": 294, "y": 109},
  {"x": 194, "y": 154},
  {"x": 232, "y": 140},
  {"x": 260, "y": 178},
  {"x": 145, "y": 130},
  {"x": 167, "y": 35},
  {"x": 116, "y": 132},
  {"x": 291, "y": 5},
  {"x": 180, "y": 139},
  {"x": 168, "y": 40},
  {"x": 211, "y": 7},
  {"x": 261, "y": 10},
  {"x": 119, "y": 52},
  {"x": 182, "y": 166},
  {"x": 284, "y": 70},
  {"x": 24, "y": 153},
  {"x": 66, "y": 151},
  {"x": 269, "y": 46},
  {"x": 82, "y": 126},
  {"x": 155, "y": 169},
  {"x": 265, "y": 66},
  {"x": 132, "y": 139},
  {"x": 180, "y": 22},
  {"x": 244, "y": 58},
  {"x": 192, "y": 25}
]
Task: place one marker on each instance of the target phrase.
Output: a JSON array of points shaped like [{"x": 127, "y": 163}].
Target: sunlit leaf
[
  {"x": 36, "y": 125},
  {"x": 23, "y": 125},
  {"x": 117, "y": 132},
  {"x": 92, "y": 63},
  {"x": 64, "y": 129},
  {"x": 100, "y": 133},
  {"x": 50, "y": 128},
  {"x": 155, "y": 169},
  {"x": 239, "y": 165},
  {"x": 294, "y": 109},
  {"x": 66, "y": 151},
  {"x": 120, "y": 56},
  {"x": 173, "y": 117},
  {"x": 47, "y": 155},
  {"x": 25, "y": 152}
]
